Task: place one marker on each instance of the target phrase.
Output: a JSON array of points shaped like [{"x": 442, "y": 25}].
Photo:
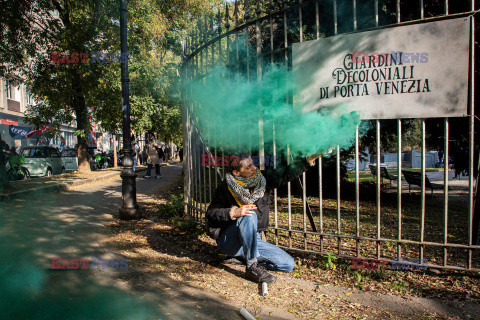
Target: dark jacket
[{"x": 218, "y": 213}]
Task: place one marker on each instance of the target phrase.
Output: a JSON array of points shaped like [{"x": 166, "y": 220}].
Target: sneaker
[
  {"x": 258, "y": 274},
  {"x": 158, "y": 176},
  {"x": 234, "y": 260},
  {"x": 147, "y": 176}
]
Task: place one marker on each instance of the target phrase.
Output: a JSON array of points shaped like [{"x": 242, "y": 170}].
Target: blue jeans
[
  {"x": 240, "y": 239},
  {"x": 135, "y": 162},
  {"x": 149, "y": 169}
]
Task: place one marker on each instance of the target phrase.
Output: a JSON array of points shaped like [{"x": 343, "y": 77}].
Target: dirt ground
[{"x": 181, "y": 251}]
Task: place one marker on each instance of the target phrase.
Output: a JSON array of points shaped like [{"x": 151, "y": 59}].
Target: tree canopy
[{"x": 60, "y": 48}]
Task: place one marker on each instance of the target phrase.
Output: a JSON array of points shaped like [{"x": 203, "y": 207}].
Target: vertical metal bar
[
  {"x": 354, "y": 15},
  {"x": 285, "y": 34},
  {"x": 195, "y": 171},
  {"x": 357, "y": 191},
  {"x": 248, "y": 53},
  {"x": 271, "y": 41},
  {"x": 205, "y": 37},
  {"x": 213, "y": 43},
  {"x": 320, "y": 200},
  {"x": 398, "y": 11},
  {"x": 335, "y": 22},
  {"x": 339, "y": 244},
  {"x": 275, "y": 199},
  {"x": 445, "y": 193},
  {"x": 300, "y": 20},
  {"x": 258, "y": 36},
  {"x": 220, "y": 53},
  {"x": 304, "y": 203},
  {"x": 215, "y": 166},
  {"x": 339, "y": 225},
  {"x": 422, "y": 217},
  {"x": 399, "y": 187},
  {"x": 357, "y": 162},
  {"x": 289, "y": 192},
  {"x": 378, "y": 186},
  {"x": 376, "y": 12},
  {"x": 186, "y": 143},
  {"x": 204, "y": 170},
  {"x": 304, "y": 179},
  {"x": 446, "y": 7},
  {"x": 472, "y": 133},
  {"x": 422, "y": 11},
  {"x": 317, "y": 19},
  {"x": 210, "y": 176}
]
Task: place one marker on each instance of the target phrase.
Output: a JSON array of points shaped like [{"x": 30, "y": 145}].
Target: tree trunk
[
  {"x": 83, "y": 125},
  {"x": 114, "y": 136},
  {"x": 83, "y": 156}
]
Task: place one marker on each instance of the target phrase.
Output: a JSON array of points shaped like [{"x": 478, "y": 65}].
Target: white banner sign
[{"x": 412, "y": 71}]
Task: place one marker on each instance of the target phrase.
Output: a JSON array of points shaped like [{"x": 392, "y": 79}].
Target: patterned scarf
[{"x": 240, "y": 188}]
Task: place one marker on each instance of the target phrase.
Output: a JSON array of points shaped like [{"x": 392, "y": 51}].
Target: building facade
[{"x": 14, "y": 101}]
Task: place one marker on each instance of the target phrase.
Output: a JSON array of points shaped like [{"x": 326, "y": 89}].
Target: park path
[{"x": 71, "y": 225}]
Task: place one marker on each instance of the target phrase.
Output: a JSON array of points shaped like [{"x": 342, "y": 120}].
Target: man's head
[{"x": 243, "y": 167}]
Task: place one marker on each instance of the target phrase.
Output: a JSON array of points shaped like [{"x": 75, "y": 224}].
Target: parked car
[
  {"x": 42, "y": 161},
  {"x": 70, "y": 159}
]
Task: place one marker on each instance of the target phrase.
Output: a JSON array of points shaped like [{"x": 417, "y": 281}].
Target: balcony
[{"x": 13, "y": 105}]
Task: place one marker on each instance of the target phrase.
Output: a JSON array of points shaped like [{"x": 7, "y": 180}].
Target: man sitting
[{"x": 239, "y": 211}]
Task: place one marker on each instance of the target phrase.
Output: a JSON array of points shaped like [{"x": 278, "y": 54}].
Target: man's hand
[
  {"x": 244, "y": 211},
  {"x": 311, "y": 159}
]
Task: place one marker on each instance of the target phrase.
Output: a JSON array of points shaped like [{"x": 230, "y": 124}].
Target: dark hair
[{"x": 236, "y": 162}]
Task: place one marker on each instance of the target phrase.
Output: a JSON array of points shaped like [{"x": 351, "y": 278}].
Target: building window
[
  {"x": 29, "y": 96},
  {"x": 9, "y": 89}
]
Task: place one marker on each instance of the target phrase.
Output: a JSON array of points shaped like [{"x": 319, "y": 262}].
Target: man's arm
[
  {"x": 156, "y": 144},
  {"x": 283, "y": 173},
  {"x": 218, "y": 212}
]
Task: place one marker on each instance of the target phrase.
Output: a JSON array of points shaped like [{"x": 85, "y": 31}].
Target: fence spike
[
  {"x": 246, "y": 6},
  {"x": 227, "y": 16}
]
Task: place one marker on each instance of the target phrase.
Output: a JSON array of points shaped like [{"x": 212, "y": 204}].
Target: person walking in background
[
  {"x": 167, "y": 153},
  {"x": 144, "y": 155},
  {"x": 161, "y": 154},
  {"x": 175, "y": 152},
  {"x": 152, "y": 157},
  {"x": 135, "y": 150},
  {"x": 180, "y": 154},
  {"x": 62, "y": 144}
]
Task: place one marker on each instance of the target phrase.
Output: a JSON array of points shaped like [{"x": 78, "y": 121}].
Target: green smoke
[
  {"x": 30, "y": 290},
  {"x": 231, "y": 110}
]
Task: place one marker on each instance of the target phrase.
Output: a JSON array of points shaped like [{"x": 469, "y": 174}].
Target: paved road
[{"x": 70, "y": 225}]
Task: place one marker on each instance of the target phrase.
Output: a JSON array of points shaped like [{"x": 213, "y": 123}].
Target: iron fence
[{"x": 441, "y": 230}]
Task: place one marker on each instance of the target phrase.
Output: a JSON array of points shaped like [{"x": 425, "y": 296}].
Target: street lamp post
[{"x": 129, "y": 209}]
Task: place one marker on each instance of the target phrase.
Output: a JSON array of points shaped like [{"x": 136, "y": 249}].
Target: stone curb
[{"x": 58, "y": 187}]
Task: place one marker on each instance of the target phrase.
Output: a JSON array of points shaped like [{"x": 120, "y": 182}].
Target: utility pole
[{"x": 129, "y": 209}]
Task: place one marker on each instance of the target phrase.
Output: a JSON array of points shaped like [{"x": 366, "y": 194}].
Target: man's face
[{"x": 247, "y": 170}]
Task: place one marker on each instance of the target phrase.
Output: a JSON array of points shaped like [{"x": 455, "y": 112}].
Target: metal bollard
[
  {"x": 264, "y": 289},
  {"x": 246, "y": 314}
]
